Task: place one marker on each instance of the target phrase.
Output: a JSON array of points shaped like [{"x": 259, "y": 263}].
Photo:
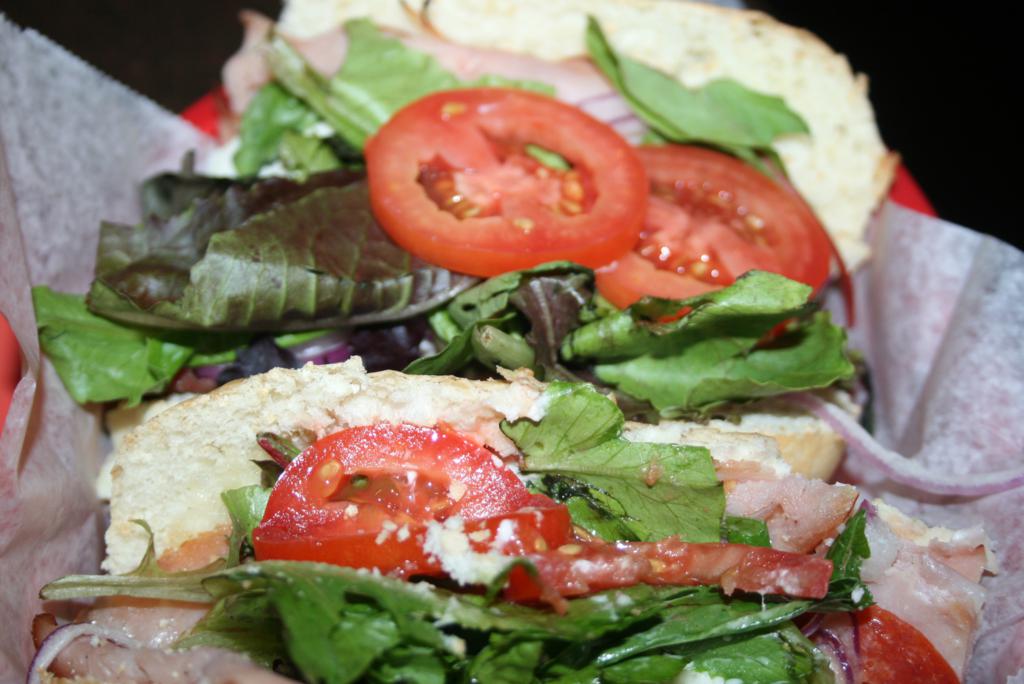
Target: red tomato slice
[
  {"x": 893, "y": 651},
  {"x": 710, "y": 218},
  {"x": 576, "y": 569},
  {"x": 362, "y": 498},
  {"x": 450, "y": 181}
]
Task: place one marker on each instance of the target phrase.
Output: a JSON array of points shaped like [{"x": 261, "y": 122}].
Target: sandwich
[
  {"x": 625, "y": 551},
  {"x": 194, "y": 520}
]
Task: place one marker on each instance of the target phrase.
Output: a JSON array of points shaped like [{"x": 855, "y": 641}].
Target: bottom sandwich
[{"x": 329, "y": 525}]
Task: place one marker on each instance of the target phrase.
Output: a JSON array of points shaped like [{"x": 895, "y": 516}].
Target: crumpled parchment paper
[{"x": 941, "y": 321}]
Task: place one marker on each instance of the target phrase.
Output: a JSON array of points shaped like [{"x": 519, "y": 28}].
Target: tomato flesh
[
  {"x": 893, "y": 651},
  {"x": 363, "y": 497},
  {"x": 710, "y": 218},
  {"x": 582, "y": 568},
  {"x": 451, "y": 181}
]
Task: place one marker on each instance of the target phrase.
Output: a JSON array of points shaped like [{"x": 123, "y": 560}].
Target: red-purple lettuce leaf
[{"x": 278, "y": 255}]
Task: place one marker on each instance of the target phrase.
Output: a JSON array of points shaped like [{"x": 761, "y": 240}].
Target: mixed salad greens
[{"x": 230, "y": 276}]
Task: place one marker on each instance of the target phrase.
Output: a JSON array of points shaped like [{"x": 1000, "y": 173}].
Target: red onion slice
[
  {"x": 826, "y": 640},
  {"x": 61, "y": 638},
  {"x": 899, "y": 468}
]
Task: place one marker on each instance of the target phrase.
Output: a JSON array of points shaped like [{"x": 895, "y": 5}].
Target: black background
[{"x": 943, "y": 78}]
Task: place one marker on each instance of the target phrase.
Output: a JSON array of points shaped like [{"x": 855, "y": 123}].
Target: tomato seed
[
  {"x": 329, "y": 470},
  {"x": 573, "y": 190},
  {"x": 450, "y": 109},
  {"x": 570, "y": 549},
  {"x": 569, "y": 207},
  {"x": 523, "y": 223}
]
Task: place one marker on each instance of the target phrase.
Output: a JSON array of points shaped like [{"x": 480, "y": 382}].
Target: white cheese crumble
[
  {"x": 385, "y": 531},
  {"x": 450, "y": 546},
  {"x": 856, "y": 595}
]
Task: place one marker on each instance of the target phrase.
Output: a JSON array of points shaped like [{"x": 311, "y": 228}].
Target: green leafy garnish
[
  {"x": 653, "y": 490},
  {"x": 271, "y": 114},
  {"x": 750, "y": 531},
  {"x": 714, "y": 354},
  {"x": 245, "y": 507},
  {"x": 279, "y": 255},
  {"x": 380, "y": 76},
  {"x": 515, "y": 320},
  {"x": 846, "y": 590},
  {"x": 548, "y": 319},
  {"x": 722, "y": 113},
  {"x": 100, "y": 360}
]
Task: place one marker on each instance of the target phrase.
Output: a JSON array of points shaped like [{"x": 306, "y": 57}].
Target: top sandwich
[{"x": 841, "y": 167}]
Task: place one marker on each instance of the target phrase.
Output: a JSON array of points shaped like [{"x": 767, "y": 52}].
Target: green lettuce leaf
[
  {"x": 505, "y": 659},
  {"x": 279, "y": 255},
  {"x": 713, "y": 354},
  {"x": 100, "y": 360},
  {"x": 514, "y": 320},
  {"x": 305, "y": 155},
  {"x": 655, "y": 490},
  {"x": 702, "y": 618},
  {"x": 750, "y": 531},
  {"x": 380, "y": 76},
  {"x": 271, "y": 114},
  {"x": 245, "y": 508},
  {"x": 784, "y": 655},
  {"x": 846, "y": 590},
  {"x": 723, "y": 113},
  {"x": 246, "y": 623}
]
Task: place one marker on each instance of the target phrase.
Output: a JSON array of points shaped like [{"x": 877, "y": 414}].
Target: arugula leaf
[
  {"x": 713, "y": 354},
  {"x": 723, "y": 113},
  {"x": 411, "y": 665},
  {"x": 380, "y": 76},
  {"x": 100, "y": 360},
  {"x": 486, "y": 322},
  {"x": 245, "y": 507},
  {"x": 657, "y": 490},
  {"x": 506, "y": 659},
  {"x": 147, "y": 580},
  {"x": 750, "y": 531},
  {"x": 246, "y": 623},
  {"x": 846, "y": 590},
  {"x": 330, "y": 639},
  {"x": 272, "y": 113},
  {"x": 784, "y": 655},
  {"x": 702, "y": 618},
  {"x": 311, "y": 255},
  {"x": 651, "y": 669}
]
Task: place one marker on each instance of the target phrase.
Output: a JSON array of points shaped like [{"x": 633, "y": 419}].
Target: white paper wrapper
[
  {"x": 941, "y": 320},
  {"x": 73, "y": 145}
]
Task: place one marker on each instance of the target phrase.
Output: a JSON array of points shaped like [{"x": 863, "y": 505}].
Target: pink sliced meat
[{"x": 800, "y": 513}]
